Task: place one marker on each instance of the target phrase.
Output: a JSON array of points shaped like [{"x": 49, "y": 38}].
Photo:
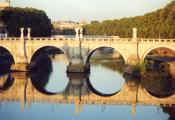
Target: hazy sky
[{"x": 91, "y": 9}]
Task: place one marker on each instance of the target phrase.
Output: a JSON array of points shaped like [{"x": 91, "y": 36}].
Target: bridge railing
[
  {"x": 117, "y": 39},
  {"x": 155, "y": 40},
  {"x": 48, "y": 38},
  {"x": 83, "y": 39},
  {"x": 9, "y": 38},
  {"x": 108, "y": 39}
]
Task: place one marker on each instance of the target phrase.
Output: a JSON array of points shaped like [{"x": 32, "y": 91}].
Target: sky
[{"x": 77, "y": 10}]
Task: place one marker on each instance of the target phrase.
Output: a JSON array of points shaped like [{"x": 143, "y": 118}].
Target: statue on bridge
[{"x": 79, "y": 32}]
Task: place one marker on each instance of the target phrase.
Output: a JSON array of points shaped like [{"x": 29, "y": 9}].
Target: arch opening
[
  {"x": 105, "y": 53},
  {"x": 47, "y": 50},
  {"x": 107, "y": 57},
  {"x": 159, "y": 75},
  {"x": 6, "y": 60},
  {"x": 107, "y": 66},
  {"x": 47, "y": 70},
  {"x": 46, "y": 54},
  {"x": 160, "y": 52}
]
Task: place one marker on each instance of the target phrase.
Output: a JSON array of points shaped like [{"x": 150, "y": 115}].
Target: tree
[
  {"x": 37, "y": 20},
  {"x": 157, "y": 24}
]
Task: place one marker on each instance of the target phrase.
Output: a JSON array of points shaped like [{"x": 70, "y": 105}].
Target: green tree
[
  {"x": 157, "y": 24},
  {"x": 37, "y": 20}
]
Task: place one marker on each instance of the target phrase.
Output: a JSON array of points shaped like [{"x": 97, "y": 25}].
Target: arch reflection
[
  {"x": 107, "y": 66},
  {"x": 77, "y": 85},
  {"x": 45, "y": 79},
  {"x": 170, "y": 111},
  {"x": 6, "y": 81},
  {"x": 157, "y": 79}
]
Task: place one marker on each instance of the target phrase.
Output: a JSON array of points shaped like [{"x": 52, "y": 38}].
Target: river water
[{"x": 106, "y": 93}]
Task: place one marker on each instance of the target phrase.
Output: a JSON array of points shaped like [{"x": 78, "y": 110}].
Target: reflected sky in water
[
  {"x": 39, "y": 111},
  {"x": 58, "y": 79},
  {"x": 105, "y": 80}
]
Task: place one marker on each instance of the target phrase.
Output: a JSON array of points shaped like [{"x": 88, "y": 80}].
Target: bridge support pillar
[
  {"x": 20, "y": 53},
  {"x": 133, "y": 56},
  {"x": 78, "y": 68}
]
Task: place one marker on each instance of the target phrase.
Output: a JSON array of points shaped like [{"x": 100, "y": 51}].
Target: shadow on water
[
  {"x": 39, "y": 72},
  {"x": 41, "y": 64},
  {"x": 6, "y": 81},
  {"x": 170, "y": 111}
]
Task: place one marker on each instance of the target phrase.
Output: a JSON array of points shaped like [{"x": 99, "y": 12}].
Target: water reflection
[
  {"x": 157, "y": 79},
  {"x": 107, "y": 84},
  {"x": 50, "y": 91},
  {"x": 6, "y": 81},
  {"x": 48, "y": 79},
  {"x": 77, "y": 85},
  {"x": 170, "y": 111},
  {"x": 106, "y": 71}
]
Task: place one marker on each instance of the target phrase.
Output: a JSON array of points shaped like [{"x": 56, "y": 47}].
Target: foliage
[
  {"x": 158, "y": 24},
  {"x": 37, "y": 20}
]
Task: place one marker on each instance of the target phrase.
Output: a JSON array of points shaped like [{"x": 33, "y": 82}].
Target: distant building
[
  {"x": 66, "y": 27},
  {"x": 65, "y": 24},
  {"x": 68, "y": 24}
]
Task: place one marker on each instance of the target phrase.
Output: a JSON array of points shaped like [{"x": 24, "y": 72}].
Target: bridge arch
[
  {"x": 99, "y": 47},
  {"x": 154, "y": 48},
  {"x": 7, "y": 59},
  {"x": 49, "y": 50}
]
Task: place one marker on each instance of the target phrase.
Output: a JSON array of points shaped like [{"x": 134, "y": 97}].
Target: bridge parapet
[
  {"x": 107, "y": 39},
  {"x": 10, "y": 38},
  {"x": 129, "y": 48},
  {"x": 147, "y": 40},
  {"x": 83, "y": 39},
  {"x": 50, "y": 38}
]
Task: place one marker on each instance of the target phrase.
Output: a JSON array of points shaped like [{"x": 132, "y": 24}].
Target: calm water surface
[{"x": 102, "y": 81}]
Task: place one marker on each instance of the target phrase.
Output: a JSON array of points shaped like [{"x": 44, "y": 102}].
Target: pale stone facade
[{"x": 132, "y": 50}]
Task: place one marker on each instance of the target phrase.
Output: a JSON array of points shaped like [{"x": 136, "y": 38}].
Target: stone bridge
[{"x": 131, "y": 49}]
